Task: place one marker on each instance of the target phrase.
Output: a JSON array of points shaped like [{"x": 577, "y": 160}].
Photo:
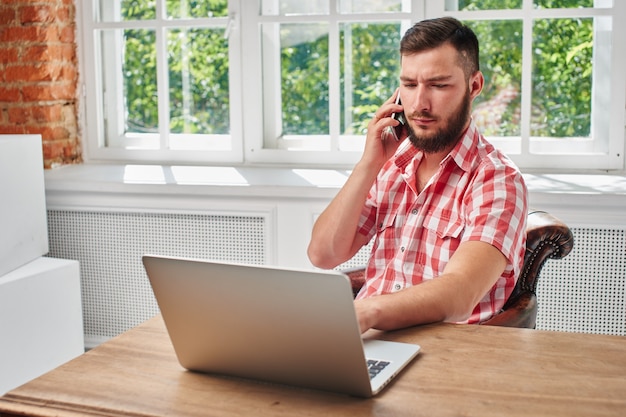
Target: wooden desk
[{"x": 462, "y": 370}]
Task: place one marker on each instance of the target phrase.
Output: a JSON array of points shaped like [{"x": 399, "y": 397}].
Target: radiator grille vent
[
  {"x": 109, "y": 245},
  {"x": 586, "y": 291}
]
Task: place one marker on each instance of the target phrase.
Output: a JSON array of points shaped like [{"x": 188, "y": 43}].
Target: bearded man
[{"x": 446, "y": 209}]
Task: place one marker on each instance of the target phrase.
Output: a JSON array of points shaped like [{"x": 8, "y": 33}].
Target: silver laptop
[{"x": 287, "y": 326}]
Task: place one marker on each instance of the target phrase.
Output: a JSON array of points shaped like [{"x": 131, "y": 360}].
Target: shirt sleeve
[
  {"x": 367, "y": 220},
  {"x": 496, "y": 211}
]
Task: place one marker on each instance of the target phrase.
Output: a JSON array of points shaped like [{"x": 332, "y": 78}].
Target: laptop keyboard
[{"x": 375, "y": 366}]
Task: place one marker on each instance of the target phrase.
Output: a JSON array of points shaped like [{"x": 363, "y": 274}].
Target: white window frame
[
  {"x": 249, "y": 105},
  {"x": 106, "y": 106}
]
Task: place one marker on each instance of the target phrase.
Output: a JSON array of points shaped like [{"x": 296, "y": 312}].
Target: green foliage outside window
[
  {"x": 561, "y": 79},
  {"x": 198, "y": 57}
]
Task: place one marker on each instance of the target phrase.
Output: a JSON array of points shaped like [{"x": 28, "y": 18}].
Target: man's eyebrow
[{"x": 437, "y": 78}]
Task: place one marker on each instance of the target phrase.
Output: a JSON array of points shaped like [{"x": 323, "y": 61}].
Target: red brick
[
  {"x": 19, "y": 115},
  {"x": 47, "y": 33},
  {"x": 9, "y": 54},
  {"x": 37, "y": 14},
  {"x": 51, "y": 149},
  {"x": 12, "y": 129},
  {"x": 67, "y": 34},
  {"x": 60, "y": 132},
  {"x": 21, "y": 2},
  {"x": 31, "y": 73},
  {"x": 68, "y": 52},
  {"x": 65, "y": 14},
  {"x": 56, "y": 149},
  {"x": 7, "y": 16},
  {"x": 49, "y": 91},
  {"x": 47, "y": 113},
  {"x": 48, "y": 52},
  {"x": 9, "y": 94},
  {"x": 39, "y": 52},
  {"x": 37, "y": 130},
  {"x": 68, "y": 73}
]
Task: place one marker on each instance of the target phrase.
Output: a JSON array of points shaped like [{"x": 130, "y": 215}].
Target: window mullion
[
  {"x": 334, "y": 74},
  {"x": 526, "y": 87},
  {"x": 162, "y": 77},
  {"x": 272, "y": 96},
  {"x": 601, "y": 106}
]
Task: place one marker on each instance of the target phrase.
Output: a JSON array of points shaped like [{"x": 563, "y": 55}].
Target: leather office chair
[{"x": 546, "y": 238}]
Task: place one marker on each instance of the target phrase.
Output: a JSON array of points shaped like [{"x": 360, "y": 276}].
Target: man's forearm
[{"x": 334, "y": 239}]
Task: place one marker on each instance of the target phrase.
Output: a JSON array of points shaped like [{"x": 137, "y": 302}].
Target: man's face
[{"x": 436, "y": 97}]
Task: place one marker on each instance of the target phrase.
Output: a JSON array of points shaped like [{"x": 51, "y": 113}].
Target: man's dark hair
[{"x": 432, "y": 33}]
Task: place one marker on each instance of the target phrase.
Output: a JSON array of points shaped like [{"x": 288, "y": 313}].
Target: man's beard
[{"x": 447, "y": 136}]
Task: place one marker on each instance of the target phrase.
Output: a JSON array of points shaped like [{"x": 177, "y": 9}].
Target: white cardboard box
[
  {"x": 23, "y": 221},
  {"x": 41, "y": 322}
]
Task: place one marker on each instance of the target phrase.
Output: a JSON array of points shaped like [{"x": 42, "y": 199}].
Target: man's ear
[{"x": 476, "y": 83}]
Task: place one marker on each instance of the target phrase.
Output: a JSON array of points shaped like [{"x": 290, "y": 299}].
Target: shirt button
[
  {"x": 402, "y": 249},
  {"x": 414, "y": 211},
  {"x": 397, "y": 287}
]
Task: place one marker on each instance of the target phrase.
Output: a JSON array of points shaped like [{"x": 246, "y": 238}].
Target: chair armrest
[
  {"x": 546, "y": 238},
  {"x": 521, "y": 313},
  {"x": 357, "y": 278}
]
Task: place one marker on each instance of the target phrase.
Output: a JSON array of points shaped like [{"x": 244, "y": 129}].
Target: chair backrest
[{"x": 546, "y": 238}]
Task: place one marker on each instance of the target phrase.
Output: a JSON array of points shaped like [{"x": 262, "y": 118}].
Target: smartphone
[{"x": 397, "y": 131}]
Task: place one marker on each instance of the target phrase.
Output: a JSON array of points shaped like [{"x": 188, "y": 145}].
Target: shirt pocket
[
  {"x": 385, "y": 225},
  {"x": 445, "y": 223}
]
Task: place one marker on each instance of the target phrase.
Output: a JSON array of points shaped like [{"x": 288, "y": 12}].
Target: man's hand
[
  {"x": 379, "y": 145},
  {"x": 366, "y": 311}
]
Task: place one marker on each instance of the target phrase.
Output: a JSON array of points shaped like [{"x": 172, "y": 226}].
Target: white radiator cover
[
  {"x": 584, "y": 292},
  {"x": 116, "y": 294}
]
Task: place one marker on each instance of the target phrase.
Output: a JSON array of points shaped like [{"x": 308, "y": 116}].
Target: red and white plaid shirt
[{"x": 477, "y": 194}]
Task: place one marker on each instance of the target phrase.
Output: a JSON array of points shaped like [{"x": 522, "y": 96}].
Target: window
[
  {"x": 295, "y": 82},
  {"x": 164, "y": 74}
]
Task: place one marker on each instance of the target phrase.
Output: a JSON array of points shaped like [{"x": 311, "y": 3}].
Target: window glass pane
[
  {"x": 140, "y": 85},
  {"x": 370, "y": 65},
  {"x": 198, "y": 81},
  {"x": 196, "y": 8},
  {"x": 466, "y": 5},
  {"x": 373, "y": 6},
  {"x": 562, "y": 77},
  {"x": 120, "y": 10},
  {"x": 294, "y": 7},
  {"x": 304, "y": 78},
  {"x": 497, "y": 108},
  {"x": 568, "y": 4}
]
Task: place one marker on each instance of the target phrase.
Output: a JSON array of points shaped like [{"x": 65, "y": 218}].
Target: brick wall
[{"x": 39, "y": 75}]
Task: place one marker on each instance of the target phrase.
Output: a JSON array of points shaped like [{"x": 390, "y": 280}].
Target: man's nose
[{"x": 421, "y": 100}]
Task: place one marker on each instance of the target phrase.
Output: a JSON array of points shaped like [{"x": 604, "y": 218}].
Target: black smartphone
[{"x": 397, "y": 131}]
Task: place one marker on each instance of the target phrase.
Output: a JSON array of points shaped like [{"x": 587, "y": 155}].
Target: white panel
[
  {"x": 109, "y": 245},
  {"x": 41, "y": 323},
  {"x": 24, "y": 234}
]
